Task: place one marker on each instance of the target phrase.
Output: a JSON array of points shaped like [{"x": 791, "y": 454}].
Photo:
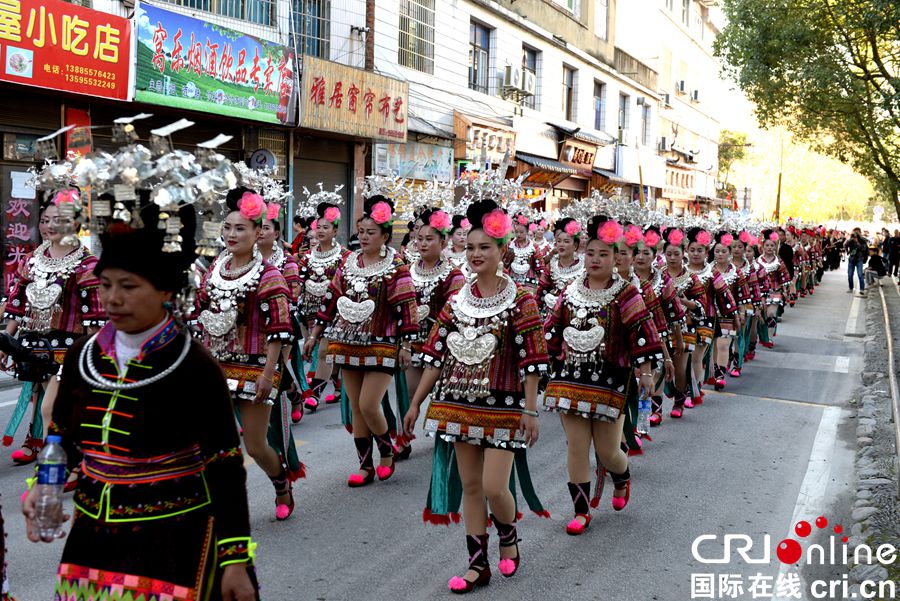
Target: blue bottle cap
[{"x": 54, "y": 439}]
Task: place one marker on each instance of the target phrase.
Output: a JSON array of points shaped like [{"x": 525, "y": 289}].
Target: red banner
[{"x": 60, "y": 46}]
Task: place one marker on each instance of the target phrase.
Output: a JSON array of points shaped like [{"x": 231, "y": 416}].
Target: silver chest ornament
[
  {"x": 355, "y": 312},
  {"x": 469, "y": 349},
  {"x": 218, "y": 324},
  {"x": 42, "y": 295},
  {"x": 316, "y": 289},
  {"x": 423, "y": 311},
  {"x": 583, "y": 341}
]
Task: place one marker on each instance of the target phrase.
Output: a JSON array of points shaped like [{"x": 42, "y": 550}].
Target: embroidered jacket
[{"x": 315, "y": 282}]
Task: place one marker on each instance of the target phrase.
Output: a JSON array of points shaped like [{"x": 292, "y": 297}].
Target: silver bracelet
[{"x": 529, "y": 412}]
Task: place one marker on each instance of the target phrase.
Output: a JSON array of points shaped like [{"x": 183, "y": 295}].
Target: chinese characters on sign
[
  {"x": 60, "y": 46},
  {"x": 187, "y": 63},
  {"x": 19, "y": 222},
  {"x": 414, "y": 161},
  {"x": 578, "y": 155},
  {"x": 350, "y": 101}
]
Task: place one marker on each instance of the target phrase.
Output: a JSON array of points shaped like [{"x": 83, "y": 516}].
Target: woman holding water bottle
[
  {"x": 129, "y": 405},
  {"x": 599, "y": 328}
]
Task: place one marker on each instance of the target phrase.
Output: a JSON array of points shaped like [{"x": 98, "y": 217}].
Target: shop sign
[
  {"x": 186, "y": 63},
  {"x": 578, "y": 155},
  {"x": 344, "y": 100},
  {"x": 476, "y": 139},
  {"x": 56, "y": 45},
  {"x": 19, "y": 223},
  {"x": 414, "y": 161}
]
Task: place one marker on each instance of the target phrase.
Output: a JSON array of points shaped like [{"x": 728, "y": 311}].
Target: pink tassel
[
  {"x": 507, "y": 567},
  {"x": 458, "y": 584}
]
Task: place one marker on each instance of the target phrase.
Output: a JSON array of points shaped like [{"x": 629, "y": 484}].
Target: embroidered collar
[{"x": 167, "y": 332}]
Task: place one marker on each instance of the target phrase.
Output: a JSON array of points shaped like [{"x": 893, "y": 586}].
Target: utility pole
[{"x": 780, "y": 169}]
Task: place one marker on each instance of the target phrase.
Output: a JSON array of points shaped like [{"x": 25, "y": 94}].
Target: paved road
[{"x": 776, "y": 443}]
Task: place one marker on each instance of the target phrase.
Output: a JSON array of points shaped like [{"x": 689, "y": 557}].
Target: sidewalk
[{"x": 7, "y": 381}]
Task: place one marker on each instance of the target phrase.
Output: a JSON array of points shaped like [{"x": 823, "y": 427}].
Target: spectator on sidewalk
[
  {"x": 894, "y": 254},
  {"x": 856, "y": 246},
  {"x": 875, "y": 268}
]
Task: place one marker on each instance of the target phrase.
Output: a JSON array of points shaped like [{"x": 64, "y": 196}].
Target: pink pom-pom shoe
[{"x": 478, "y": 563}]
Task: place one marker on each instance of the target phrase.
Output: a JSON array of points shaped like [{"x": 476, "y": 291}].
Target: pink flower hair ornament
[
  {"x": 314, "y": 225},
  {"x": 441, "y": 222},
  {"x": 543, "y": 223},
  {"x": 610, "y": 232},
  {"x": 498, "y": 226},
  {"x": 382, "y": 213},
  {"x": 252, "y": 206},
  {"x": 532, "y": 228},
  {"x": 745, "y": 237},
  {"x": 64, "y": 196},
  {"x": 652, "y": 239},
  {"x": 704, "y": 238},
  {"x": 633, "y": 236},
  {"x": 675, "y": 236},
  {"x": 466, "y": 224},
  {"x": 573, "y": 228},
  {"x": 753, "y": 240},
  {"x": 522, "y": 220},
  {"x": 332, "y": 215},
  {"x": 727, "y": 239},
  {"x": 273, "y": 210},
  {"x": 773, "y": 236}
]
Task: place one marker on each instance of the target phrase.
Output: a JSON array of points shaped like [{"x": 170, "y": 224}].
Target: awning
[
  {"x": 545, "y": 164},
  {"x": 584, "y": 136},
  {"x": 610, "y": 176},
  {"x": 422, "y": 127}
]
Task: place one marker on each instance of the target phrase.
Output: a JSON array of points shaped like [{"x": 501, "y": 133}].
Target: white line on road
[
  {"x": 842, "y": 365},
  {"x": 8, "y": 403},
  {"x": 811, "y": 498},
  {"x": 853, "y": 319}
]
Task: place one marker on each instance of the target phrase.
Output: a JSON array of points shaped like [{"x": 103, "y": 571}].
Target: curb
[{"x": 7, "y": 383}]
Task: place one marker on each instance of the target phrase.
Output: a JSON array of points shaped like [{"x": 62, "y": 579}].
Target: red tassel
[
  {"x": 455, "y": 517},
  {"x": 349, "y": 428},
  {"x": 7, "y": 440},
  {"x": 646, "y": 437},
  {"x": 595, "y": 502},
  {"x": 298, "y": 473},
  {"x": 434, "y": 519},
  {"x": 543, "y": 514},
  {"x": 519, "y": 515},
  {"x": 633, "y": 452}
]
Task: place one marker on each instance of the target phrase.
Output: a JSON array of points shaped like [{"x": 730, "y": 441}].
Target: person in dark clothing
[
  {"x": 786, "y": 252},
  {"x": 894, "y": 253},
  {"x": 875, "y": 268},
  {"x": 857, "y": 249}
]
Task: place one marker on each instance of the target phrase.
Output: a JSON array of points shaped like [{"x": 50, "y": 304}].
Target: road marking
[
  {"x": 842, "y": 365},
  {"x": 853, "y": 319},
  {"x": 811, "y": 498},
  {"x": 8, "y": 403},
  {"x": 774, "y": 399}
]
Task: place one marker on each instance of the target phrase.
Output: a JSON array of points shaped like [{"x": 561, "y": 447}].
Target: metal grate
[
  {"x": 416, "y": 39},
  {"x": 311, "y": 27},
  {"x": 276, "y": 141},
  {"x": 261, "y": 12}
]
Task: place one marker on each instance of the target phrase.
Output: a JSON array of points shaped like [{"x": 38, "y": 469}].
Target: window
[
  {"x": 568, "y": 93},
  {"x": 601, "y": 19},
  {"x": 623, "y": 111},
  {"x": 670, "y": 4},
  {"x": 645, "y": 125},
  {"x": 599, "y": 106},
  {"x": 261, "y": 12},
  {"x": 686, "y": 12},
  {"x": 416, "y": 40},
  {"x": 479, "y": 56},
  {"x": 312, "y": 29},
  {"x": 529, "y": 65},
  {"x": 572, "y": 6}
]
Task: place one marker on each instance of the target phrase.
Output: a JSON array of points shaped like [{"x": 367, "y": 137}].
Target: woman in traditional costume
[
  {"x": 485, "y": 356},
  {"x": 317, "y": 269},
  {"x": 52, "y": 302},
  {"x": 741, "y": 347},
  {"x": 522, "y": 257},
  {"x": 369, "y": 317},
  {"x": 776, "y": 278},
  {"x": 244, "y": 315},
  {"x": 601, "y": 330},
  {"x": 564, "y": 267},
  {"x": 149, "y": 481},
  {"x": 730, "y": 317},
  {"x": 456, "y": 249}
]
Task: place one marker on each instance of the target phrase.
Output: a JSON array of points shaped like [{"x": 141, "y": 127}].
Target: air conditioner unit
[
  {"x": 529, "y": 83},
  {"x": 695, "y": 96},
  {"x": 681, "y": 86},
  {"x": 624, "y": 137},
  {"x": 641, "y": 100},
  {"x": 664, "y": 144},
  {"x": 667, "y": 100},
  {"x": 512, "y": 77}
]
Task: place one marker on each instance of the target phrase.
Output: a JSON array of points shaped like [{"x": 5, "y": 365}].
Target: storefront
[
  {"x": 342, "y": 110},
  {"x": 481, "y": 143}
]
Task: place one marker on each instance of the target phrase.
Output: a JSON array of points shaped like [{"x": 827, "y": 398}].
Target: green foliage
[
  {"x": 732, "y": 149},
  {"x": 827, "y": 70}
]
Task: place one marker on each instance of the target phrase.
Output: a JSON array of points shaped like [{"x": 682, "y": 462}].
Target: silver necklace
[
  {"x": 226, "y": 258},
  {"x": 563, "y": 276},
  {"x": 731, "y": 275},
  {"x": 358, "y": 277},
  {"x": 471, "y": 307},
  {"x": 585, "y": 300},
  {"x": 239, "y": 279},
  {"x": 704, "y": 274},
  {"x": 769, "y": 267},
  {"x": 426, "y": 282},
  {"x": 95, "y": 379},
  {"x": 323, "y": 260},
  {"x": 278, "y": 257}
]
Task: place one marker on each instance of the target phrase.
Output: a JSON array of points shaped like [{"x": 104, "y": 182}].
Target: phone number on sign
[
  {"x": 91, "y": 81},
  {"x": 87, "y": 71}
]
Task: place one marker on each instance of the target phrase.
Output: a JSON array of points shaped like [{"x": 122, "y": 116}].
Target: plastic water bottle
[
  {"x": 51, "y": 480},
  {"x": 643, "y": 417}
]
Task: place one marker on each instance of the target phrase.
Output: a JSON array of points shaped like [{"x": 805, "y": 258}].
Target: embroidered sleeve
[
  {"x": 401, "y": 295},
  {"x": 89, "y": 293},
  {"x": 453, "y": 284},
  {"x": 328, "y": 308},
  {"x": 292, "y": 278},
  {"x": 675, "y": 312},
  {"x": 725, "y": 302},
  {"x": 240, "y": 549},
  {"x": 273, "y": 300},
  {"x": 529, "y": 336},
  {"x": 545, "y": 284},
  {"x": 643, "y": 338},
  {"x": 63, "y": 421},
  {"x": 553, "y": 327},
  {"x": 654, "y": 306},
  {"x": 433, "y": 351}
]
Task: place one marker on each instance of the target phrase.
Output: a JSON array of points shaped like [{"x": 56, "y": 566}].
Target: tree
[
  {"x": 828, "y": 71},
  {"x": 732, "y": 149}
]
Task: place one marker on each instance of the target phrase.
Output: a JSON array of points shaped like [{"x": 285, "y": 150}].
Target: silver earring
[
  {"x": 383, "y": 252},
  {"x": 500, "y": 269}
]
